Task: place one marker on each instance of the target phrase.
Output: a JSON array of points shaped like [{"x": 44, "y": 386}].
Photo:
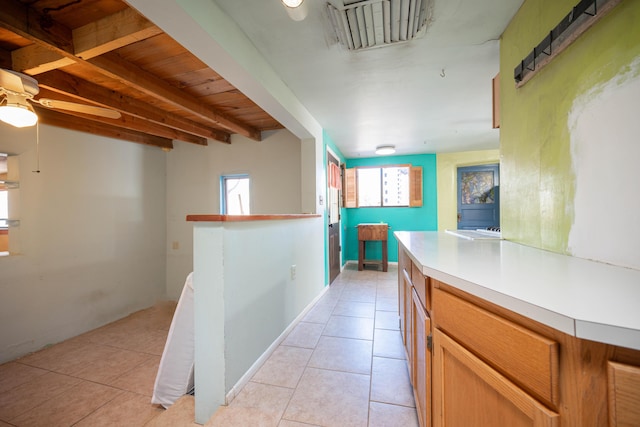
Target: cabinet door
[
  {"x": 467, "y": 392},
  {"x": 404, "y": 275},
  {"x": 421, "y": 325},
  {"x": 402, "y": 305},
  {"x": 408, "y": 292},
  {"x": 624, "y": 395}
]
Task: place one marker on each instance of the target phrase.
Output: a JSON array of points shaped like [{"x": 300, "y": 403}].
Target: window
[
  {"x": 235, "y": 195},
  {"x": 385, "y": 186},
  {"x": 4, "y": 207}
]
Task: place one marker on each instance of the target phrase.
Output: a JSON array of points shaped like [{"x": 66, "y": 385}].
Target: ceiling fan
[{"x": 19, "y": 90}]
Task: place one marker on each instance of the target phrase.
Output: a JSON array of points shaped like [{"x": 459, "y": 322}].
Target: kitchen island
[{"x": 496, "y": 332}]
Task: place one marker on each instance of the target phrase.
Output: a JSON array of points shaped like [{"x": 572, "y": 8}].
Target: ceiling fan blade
[
  {"x": 11, "y": 81},
  {"x": 79, "y": 108}
]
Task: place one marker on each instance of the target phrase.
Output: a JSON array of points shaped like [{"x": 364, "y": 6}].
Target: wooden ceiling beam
[
  {"x": 79, "y": 89},
  {"x": 129, "y": 122},
  {"x": 91, "y": 40},
  {"x": 112, "y": 32},
  {"x": 35, "y": 59},
  {"x": 117, "y": 68},
  {"x": 66, "y": 121},
  {"x": 113, "y": 66},
  {"x": 5, "y": 59},
  {"x": 20, "y": 19}
]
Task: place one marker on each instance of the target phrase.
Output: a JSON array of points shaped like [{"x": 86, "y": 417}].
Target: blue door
[{"x": 478, "y": 197}]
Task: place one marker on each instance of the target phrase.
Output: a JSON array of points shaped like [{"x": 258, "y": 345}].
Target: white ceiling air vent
[{"x": 376, "y": 23}]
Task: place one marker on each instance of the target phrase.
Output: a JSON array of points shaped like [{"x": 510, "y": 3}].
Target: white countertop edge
[
  {"x": 539, "y": 314},
  {"x": 571, "y": 325},
  {"x": 614, "y": 335}
]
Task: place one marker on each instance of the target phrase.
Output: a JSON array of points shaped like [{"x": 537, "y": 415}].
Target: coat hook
[{"x": 442, "y": 73}]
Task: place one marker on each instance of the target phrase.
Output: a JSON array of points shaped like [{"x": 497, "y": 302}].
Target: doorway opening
[{"x": 334, "y": 196}]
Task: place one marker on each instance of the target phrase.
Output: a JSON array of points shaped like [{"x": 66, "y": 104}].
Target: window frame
[
  {"x": 223, "y": 191},
  {"x": 350, "y": 185},
  {"x": 381, "y": 185}
]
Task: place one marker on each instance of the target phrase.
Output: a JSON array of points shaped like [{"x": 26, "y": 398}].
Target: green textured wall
[{"x": 538, "y": 182}]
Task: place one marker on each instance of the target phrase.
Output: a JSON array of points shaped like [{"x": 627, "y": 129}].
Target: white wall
[
  {"x": 91, "y": 236},
  {"x": 245, "y": 296},
  {"x": 217, "y": 41},
  {"x": 605, "y": 151},
  {"x": 193, "y": 187}
]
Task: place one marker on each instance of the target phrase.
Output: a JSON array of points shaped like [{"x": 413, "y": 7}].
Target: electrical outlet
[{"x": 293, "y": 272}]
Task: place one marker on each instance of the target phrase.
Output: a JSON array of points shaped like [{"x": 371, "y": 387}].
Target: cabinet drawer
[
  {"x": 421, "y": 284},
  {"x": 528, "y": 359}
]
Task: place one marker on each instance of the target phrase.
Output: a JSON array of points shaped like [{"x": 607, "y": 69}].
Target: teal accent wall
[{"x": 423, "y": 218}]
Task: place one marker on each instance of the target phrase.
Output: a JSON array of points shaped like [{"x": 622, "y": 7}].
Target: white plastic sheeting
[{"x": 175, "y": 373}]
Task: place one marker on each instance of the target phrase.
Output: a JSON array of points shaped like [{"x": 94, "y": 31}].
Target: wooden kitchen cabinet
[
  {"x": 489, "y": 371},
  {"x": 492, "y": 366},
  {"x": 495, "y": 92},
  {"x": 624, "y": 394},
  {"x": 535, "y": 375},
  {"x": 421, "y": 360},
  {"x": 468, "y": 392},
  {"x": 524, "y": 356},
  {"x": 404, "y": 280},
  {"x": 415, "y": 328},
  {"x": 406, "y": 316}
]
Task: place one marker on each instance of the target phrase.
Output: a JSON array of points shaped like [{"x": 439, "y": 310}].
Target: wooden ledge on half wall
[{"x": 238, "y": 218}]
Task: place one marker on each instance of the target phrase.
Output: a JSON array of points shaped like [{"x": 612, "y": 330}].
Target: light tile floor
[
  {"x": 104, "y": 377},
  {"x": 342, "y": 365}
]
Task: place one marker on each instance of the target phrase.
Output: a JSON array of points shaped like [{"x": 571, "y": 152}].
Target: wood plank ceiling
[{"x": 103, "y": 53}]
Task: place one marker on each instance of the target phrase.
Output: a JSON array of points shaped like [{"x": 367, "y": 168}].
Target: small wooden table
[{"x": 372, "y": 231}]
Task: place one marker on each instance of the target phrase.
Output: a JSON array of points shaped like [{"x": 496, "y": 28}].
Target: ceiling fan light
[
  {"x": 292, "y": 3},
  {"x": 18, "y": 115},
  {"x": 384, "y": 150},
  {"x": 297, "y": 9}
]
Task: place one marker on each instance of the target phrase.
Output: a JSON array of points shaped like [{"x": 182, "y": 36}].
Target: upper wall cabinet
[{"x": 496, "y": 100}]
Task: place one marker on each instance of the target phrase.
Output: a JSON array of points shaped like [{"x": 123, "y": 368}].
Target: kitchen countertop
[{"x": 586, "y": 299}]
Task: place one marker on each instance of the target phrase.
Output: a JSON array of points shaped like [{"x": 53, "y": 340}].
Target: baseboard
[
  {"x": 355, "y": 261},
  {"x": 263, "y": 358}
]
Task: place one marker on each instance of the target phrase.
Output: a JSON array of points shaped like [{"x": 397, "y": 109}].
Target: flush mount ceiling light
[
  {"x": 385, "y": 149},
  {"x": 297, "y": 9},
  {"x": 366, "y": 24}
]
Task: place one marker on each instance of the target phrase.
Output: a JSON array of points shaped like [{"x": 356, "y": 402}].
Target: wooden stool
[{"x": 375, "y": 232}]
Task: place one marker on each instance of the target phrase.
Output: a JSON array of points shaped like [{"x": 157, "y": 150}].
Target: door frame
[
  {"x": 336, "y": 159},
  {"x": 480, "y": 221}
]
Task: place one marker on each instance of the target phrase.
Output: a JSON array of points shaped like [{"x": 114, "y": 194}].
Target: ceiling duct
[{"x": 377, "y": 23}]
